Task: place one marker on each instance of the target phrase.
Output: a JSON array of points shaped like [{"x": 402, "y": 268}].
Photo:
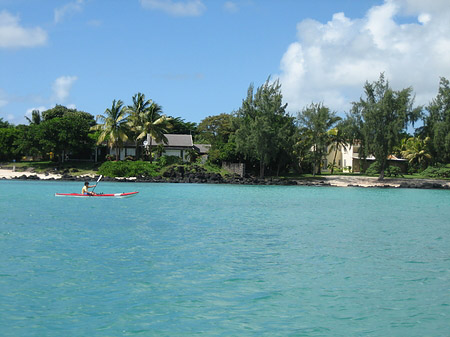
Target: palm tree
[
  {"x": 154, "y": 125},
  {"x": 137, "y": 113},
  {"x": 417, "y": 151},
  {"x": 35, "y": 117},
  {"x": 337, "y": 141},
  {"x": 114, "y": 127}
]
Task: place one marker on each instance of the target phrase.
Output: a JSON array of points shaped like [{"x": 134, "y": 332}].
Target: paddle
[{"x": 97, "y": 182}]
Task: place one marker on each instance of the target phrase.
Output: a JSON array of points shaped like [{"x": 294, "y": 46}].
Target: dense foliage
[
  {"x": 384, "y": 115},
  {"x": 265, "y": 131},
  {"x": 261, "y": 133},
  {"x": 128, "y": 169},
  {"x": 56, "y": 133}
]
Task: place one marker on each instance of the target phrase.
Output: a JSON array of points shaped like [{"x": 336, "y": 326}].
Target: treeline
[
  {"x": 260, "y": 133},
  {"x": 268, "y": 139}
]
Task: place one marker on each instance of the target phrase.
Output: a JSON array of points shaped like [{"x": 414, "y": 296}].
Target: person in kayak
[{"x": 86, "y": 187}]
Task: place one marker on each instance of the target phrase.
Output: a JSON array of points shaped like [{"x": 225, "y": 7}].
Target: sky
[{"x": 197, "y": 58}]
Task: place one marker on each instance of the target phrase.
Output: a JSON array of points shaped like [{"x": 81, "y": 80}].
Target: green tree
[
  {"x": 28, "y": 141},
  {"x": 417, "y": 152},
  {"x": 260, "y": 119},
  {"x": 114, "y": 127},
  {"x": 437, "y": 123},
  {"x": 338, "y": 140},
  {"x": 35, "y": 117},
  {"x": 216, "y": 129},
  {"x": 154, "y": 125},
  {"x": 8, "y": 136},
  {"x": 385, "y": 115},
  {"x": 4, "y": 124},
  {"x": 180, "y": 127},
  {"x": 65, "y": 135},
  {"x": 136, "y": 119},
  {"x": 316, "y": 120}
]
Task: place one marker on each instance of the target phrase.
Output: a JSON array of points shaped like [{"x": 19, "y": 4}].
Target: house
[
  {"x": 348, "y": 159},
  {"x": 177, "y": 145},
  {"x": 203, "y": 150}
]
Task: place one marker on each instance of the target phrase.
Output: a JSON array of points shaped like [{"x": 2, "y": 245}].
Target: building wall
[
  {"x": 125, "y": 152},
  {"x": 177, "y": 153}
]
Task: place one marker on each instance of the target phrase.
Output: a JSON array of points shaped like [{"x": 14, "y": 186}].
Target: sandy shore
[
  {"x": 10, "y": 174},
  {"x": 362, "y": 181},
  {"x": 337, "y": 181}
]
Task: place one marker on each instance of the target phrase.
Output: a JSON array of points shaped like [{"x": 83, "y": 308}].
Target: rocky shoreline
[{"x": 180, "y": 175}]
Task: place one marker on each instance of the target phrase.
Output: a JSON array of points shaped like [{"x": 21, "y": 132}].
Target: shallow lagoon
[{"x": 222, "y": 260}]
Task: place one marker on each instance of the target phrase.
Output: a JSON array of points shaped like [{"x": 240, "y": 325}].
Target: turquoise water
[{"x": 219, "y": 260}]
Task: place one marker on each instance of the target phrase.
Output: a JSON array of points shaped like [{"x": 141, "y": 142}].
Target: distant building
[
  {"x": 348, "y": 159},
  {"x": 177, "y": 145}
]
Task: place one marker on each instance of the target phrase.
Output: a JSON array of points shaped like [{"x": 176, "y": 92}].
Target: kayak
[{"x": 115, "y": 195}]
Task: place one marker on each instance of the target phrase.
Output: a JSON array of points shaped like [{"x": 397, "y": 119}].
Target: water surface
[{"x": 223, "y": 260}]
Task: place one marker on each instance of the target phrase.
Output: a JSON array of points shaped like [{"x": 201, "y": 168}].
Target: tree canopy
[
  {"x": 384, "y": 115},
  {"x": 264, "y": 127}
]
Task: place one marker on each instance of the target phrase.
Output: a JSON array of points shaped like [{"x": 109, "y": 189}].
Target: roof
[
  {"x": 176, "y": 141},
  {"x": 203, "y": 148}
]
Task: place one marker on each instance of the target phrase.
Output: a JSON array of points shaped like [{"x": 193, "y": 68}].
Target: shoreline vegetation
[
  {"x": 373, "y": 138},
  {"x": 178, "y": 174}
]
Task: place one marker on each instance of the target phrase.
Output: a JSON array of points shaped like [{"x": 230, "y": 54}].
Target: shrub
[
  {"x": 438, "y": 171},
  {"x": 128, "y": 169},
  {"x": 394, "y": 171},
  {"x": 169, "y": 160},
  {"x": 373, "y": 169}
]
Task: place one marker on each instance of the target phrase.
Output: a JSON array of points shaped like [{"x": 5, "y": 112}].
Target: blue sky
[{"x": 197, "y": 58}]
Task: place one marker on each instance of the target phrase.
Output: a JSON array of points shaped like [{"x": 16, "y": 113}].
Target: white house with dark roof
[{"x": 177, "y": 145}]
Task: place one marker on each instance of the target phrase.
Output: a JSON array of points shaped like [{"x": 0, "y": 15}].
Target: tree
[
  {"x": 260, "y": 119},
  {"x": 180, "y": 127},
  {"x": 155, "y": 125},
  {"x": 385, "y": 115},
  {"x": 115, "y": 126},
  {"x": 437, "y": 123},
  {"x": 65, "y": 135},
  {"x": 8, "y": 136},
  {"x": 338, "y": 140},
  {"x": 417, "y": 152},
  {"x": 28, "y": 141},
  {"x": 4, "y": 124},
  {"x": 216, "y": 129},
  {"x": 316, "y": 120},
  {"x": 136, "y": 119},
  {"x": 35, "y": 117}
]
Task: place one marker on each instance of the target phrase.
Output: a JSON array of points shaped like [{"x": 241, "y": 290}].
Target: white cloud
[
  {"x": 12, "y": 35},
  {"x": 330, "y": 61},
  {"x": 68, "y": 9},
  {"x": 230, "y": 7},
  {"x": 61, "y": 88},
  {"x": 176, "y": 8}
]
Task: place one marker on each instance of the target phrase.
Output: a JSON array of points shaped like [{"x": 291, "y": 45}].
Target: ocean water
[{"x": 223, "y": 260}]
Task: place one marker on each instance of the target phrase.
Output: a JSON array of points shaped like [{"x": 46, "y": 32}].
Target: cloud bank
[
  {"x": 330, "y": 62},
  {"x": 12, "y": 35},
  {"x": 176, "y": 8}
]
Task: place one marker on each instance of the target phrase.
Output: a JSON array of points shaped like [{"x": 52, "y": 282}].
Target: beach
[
  {"x": 333, "y": 180},
  {"x": 12, "y": 174}
]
